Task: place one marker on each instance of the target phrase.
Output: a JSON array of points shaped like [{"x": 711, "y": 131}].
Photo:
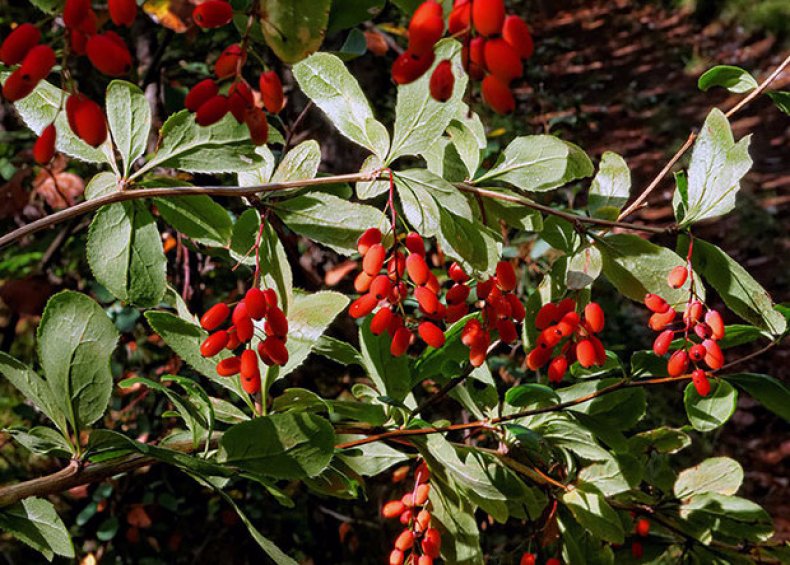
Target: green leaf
[
  {"x": 734, "y": 79},
  {"x": 468, "y": 135},
  {"x": 293, "y": 445},
  {"x": 730, "y": 516},
  {"x": 538, "y": 163},
  {"x": 637, "y": 267},
  {"x": 100, "y": 185},
  {"x": 296, "y": 28},
  {"x": 42, "y": 106},
  {"x": 198, "y": 217},
  {"x": 717, "y": 474},
  {"x": 275, "y": 269},
  {"x": 328, "y": 83},
  {"x": 223, "y": 147},
  {"x": 610, "y": 188},
  {"x": 737, "y": 288},
  {"x": 419, "y": 119},
  {"x": 370, "y": 189},
  {"x": 76, "y": 340},
  {"x": 327, "y": 219},
  {"x": 454, "y": 516},
  {"x": 592, "y": 511},
  {"x": 300, "y": 163},
  {"x": 583, "y": 268},
  {"x": 243, "y": 236},
  {"x": 349, "y": 13},
  {"x": 389, "y": 374},
  {"x": 614, "y": 476},
  {"x": 184, "y": 338},
  {"x": 129, "y": 116},
  {"x": 662, "y": 440},
  {"x": 371, "y": 459},
  {"x": 125, "y": 253},
  {"x": 768, "y": 391},
  {"x": 35, "y": 522},
  {"x": 716, "y": 168},
  {"x": 338, "y": 351},
  {"x": 712, "y": 411},
  {"x": 42, "y": 440},
  {"x": 469, "y": 242},
  {"x": 781, "y": 100},
  {"x": 35, "y": 389},
  {"x": 423, "y": 195},
  {"x": 48, "y": 6},
  {"x": 620, "y": 410},
  {"x": 263, "y": 172}
]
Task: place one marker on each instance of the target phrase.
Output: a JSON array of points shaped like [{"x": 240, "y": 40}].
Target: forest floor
[{"x": 625, "y": 79}]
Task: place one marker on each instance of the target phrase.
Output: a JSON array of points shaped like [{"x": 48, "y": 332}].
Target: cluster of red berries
[
  {"x": 531, "y": 559},
  {"x": 501, "y": 310},
  {"x": 493, "y": 55},
  {"x": 642, "y": 529},
  {"x": 705, "y": 323},
  {"x": 575, "y": 336},
  {"x": 419, "y": 538},
  {"x": 383, "y": 285},
  {"x": 257, "y": 305}
]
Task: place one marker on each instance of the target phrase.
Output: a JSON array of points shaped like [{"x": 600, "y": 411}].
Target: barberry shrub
[{"x": 440, "y": 297}]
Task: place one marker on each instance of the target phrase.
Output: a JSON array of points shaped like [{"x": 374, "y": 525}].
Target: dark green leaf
[
  {"x": 710, "y": 412},
  {"x": 781, "y": 100},
  {"x": 734, "y": 79},
  {"x": 45, "y": 441},
  {"x": 35, "y": 522},
  {"x": 593, "y": 512},
  {"x": 129, "y": 116},
  {"x": 35, "y": 389},
  {"x": 389, "y": 374},
  {"x": 296, "y": 28},
  {"x": 610, "y": 188},
  {"x": 198, "y": 217},
  {"x": 768, "y": 391}
]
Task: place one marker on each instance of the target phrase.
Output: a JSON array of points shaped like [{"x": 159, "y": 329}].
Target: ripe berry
[
  {"x": 231, "y": 60},
  {"x": 410, "y": 66},
  {"x": 488, "y": 16},
  {"x": 405, "y": 540},
  {"x": 374, "y": 259},
  {"x": 37, "y": 63},
  {"x": 506, "y": 276},
  {"x": 473, "y": 58},
  {"x": 701, "y": 383},
  {"x": 457, "y": 273},
  {"x": 637, "y": 551},
  {"x": 539, "y": 357},
  {"x": 108, "y": 56},
  {"x": 697, "y": 352},
  {"x": 677, "y": 276},
  {"x": 585, "y": 353},
  {"x": 229, "y": 367},
  {"x": 272, "y": 92},
  {"x": 86, "y": 119},
  {"x": 215, "y": 317},
  {"x": 594, "y": 316},
  {"x": 431, "y": 334},
  {"x": 417, "y": 268},
  {"x": 557, "y": 369},
  {"x": 256, "y": 303},
  {"x": 213, "y": 13},
  {"x": 693, "y": 313},
  {"x": 123, "y": 12},
  {"x": 457, "y": 294},
  {"x": 275, "y": 348},
  {"x": 497, "y": 95},
  {"x": 507, "y": 330},
  {"x": 460, "y": 16},
  {"x": 716, "y": 324},
  {"x": 240, "y": 100},
  {"x": 678, "y": 363},
  {"x": 662, "y": 342},
  {"x": 517, "y": 310},
  {"x": 643, "y": 526},
  {"x": 432, "y": 543},
  {"x": 546, "y": 316},
  {"x": 425, "y": 560},
  {"x": 426, "y": 27},
  {"x": 527, "y": 559},
  {"x": 426, "y": 299},
  {"x": 245, "y": 329},
  {"x": 714, "y": 358},
  {"x": 502, "y": 60},
  {"x": 255, "y": 119},
  {"x": 18, "y": 43},
  {"x": 277, "y": 320},
  {"x": 44, "y": 148},
  {"x": 516, "y": 33},
  {"x": 249, "y": 370},
  {"x": 442, "y": 81},
  {"x": 656, "y": 304},
  {"x": 214, "y": 343},
  {"x": 393, "y": 509},
  {"x": 400, "y": 342},
  {"x": 381, "y": 321},
  {"x": 421, "y": 494},
  {"x": 422, "y": 521},
  {"x": 200, "y": 93},
  {"x": 363, "y": 306},
  {"x": 252, "y": 383},
  {"x": 233, "y": 339},
  {"x": 212, "y": 110},
  {"x": 75, "y": 11},
  {"x": 658, "y": 322},
  {"x": 396, "y": 557},
  {"x": 369, "y": 238}
]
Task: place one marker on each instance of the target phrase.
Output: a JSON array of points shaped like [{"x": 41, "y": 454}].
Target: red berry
[
  {"x": 662, "y": 342},
  {"x": 457, "y": 273},
  {"x": 678, "y": 363},
  {"x": 714, "y": 358},
  {"x": 502, "y": 60},
  {"x": 44, "y": 148},
  {"x": 600, "y": 351},
  {"x": 553, "y": 561},
  {"x": 213, "y": 13},
  {"x": 381, "y": 321},
  {"x": 272, "y": 92},
  {"x": 517, "y": 310},
  {"x": 473, "y": 58},
  {"x": 86, "y": 119},
  {"x": 507, "y": 331},
  {"x": 381, "y": 287},
  {"x": 547, "y": 315},
  {"x": 557, "y": 369},
  {"x": 506, "y": 276},
  {"x": 123, "y": 12},
  {"x": 37, "y": 63},
  {"x": 658, "y": 321},
  {"x": 417, "y": 268},
  {"x": 255, "y": 118},
  {"x": 426, "y": 27},
  {"x": 405, "y": 540},
  {"x": 400, "y": 341},
  {"x": 75, "y": 11},
  {"x": 422, "y": 521},
  {"x": 415, "y": 243},
  {"x": 16, "y": 87},
  {"x": 368, "y": 239},
  {"x": 432, "y": 543},
  {"x": 516, "y": 33},
  {"x": 256, "y": 303},
  {"x": 427, "y": 300},
  {"x": 716, "y": 324},
  {"x": 231, "y": 60},
  {"x": 200, "y": 93},
  {"x": 701, "y": 383},
  {"x": 374, "y": 259},
  {"x": 697, "y": 352},
  {"x": 276, "y": 350},
  {"x": 498, "y": 96},
  {"x": 538, "y": 357},
  {"x": 229, "y": 367},
  {"x": 457, "y": 294},
  {"x": 460, "y": 17},
  {"x": 396, "y": 557},
  {"x": 240, "y": 100},
  {"x": 18, "y": 43},
  {"x": 363, "y": 306},
  {"x": 431, "y": 334},
  {"x": 251, "y": 384},
  {"x": 214, "y": 343},
  {"x": 527, "y": 559},
  {"x": 410, "y": 66},
  {"x": 107, "y": 56},
  {"x": 637, "y": 551},
  {"x": 656, "y": 304},
  {"x": 233, "y": 339},
  {"x": 421, "y": 494},
  {"x": 245, "y": 329},
  {"x": 425, "y": 560},
  {"x": 250, "y": 372},
  {"x": 215, "y": 316},
  {"x": 693, "y": 313},
  {"x": 585, "y": 353},
  {"x": 488, "y": 16},
  {"x": 393, "y": 509},
  {"x": 277, "y": 320},
  {"x": 677, "y": 276},
  {"x": 212, "y": 110},
  {"x": 642, "y": 527},
  {"x": 362, "y": 282},
  {"x": 594, "y": 316}
]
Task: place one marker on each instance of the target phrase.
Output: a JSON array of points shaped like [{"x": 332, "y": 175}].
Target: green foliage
[
  {"x": 35, "y": 522},
  {"x": 294, "y": 29},
  {"x": 734, "y": 79}
]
